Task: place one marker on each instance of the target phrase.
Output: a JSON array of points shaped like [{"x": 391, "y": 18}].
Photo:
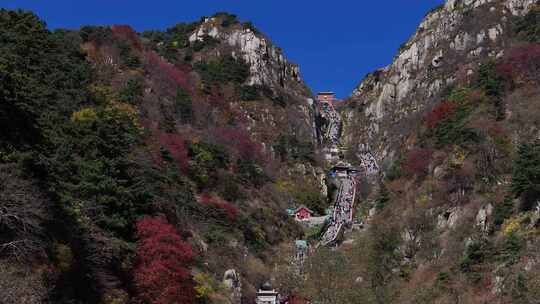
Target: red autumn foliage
[
  {"x": 230, "y": 210},
  {"x": 238, "y": 140},
  {"x": 166, "y": 74},
  {"x": 163, "y": 258},
  {"x": 442, "y": 111},
  {"x": 505, "y": 69},
  {"x": 296, "y": 300},
  {"x": 125, "y": 32},
  {"x": 417, "y": 161},
  {"x": 176, "y": 145},
  {"x": 217, "y": 100},
  {"x": 522, "y": 62}
]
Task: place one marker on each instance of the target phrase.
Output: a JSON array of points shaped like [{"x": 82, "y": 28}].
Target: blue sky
[{"x": 335, "y": 42}]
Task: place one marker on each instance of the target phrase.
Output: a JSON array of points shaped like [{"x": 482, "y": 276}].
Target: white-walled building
[{"x": 267, "y": 295}]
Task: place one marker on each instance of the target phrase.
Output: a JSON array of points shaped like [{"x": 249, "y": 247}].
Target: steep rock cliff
[
  {"x": 448, "y": 46},
  {"x": 268, "y": 65},
  {"x": 287, "y": 106}
]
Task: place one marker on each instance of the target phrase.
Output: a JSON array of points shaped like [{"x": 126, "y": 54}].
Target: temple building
[
  {"x": 326, "y": 97},
  {"x": 302, "y": 213},
  {"x": 267, "y": 295},
  {"x": 342, "y": 170}
]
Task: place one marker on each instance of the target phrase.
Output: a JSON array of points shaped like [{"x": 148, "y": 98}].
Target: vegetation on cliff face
[
  {"x": 140, "y": 167},
  {"x": 456, "y": 218},
  {"x": 127, "y": 167}
]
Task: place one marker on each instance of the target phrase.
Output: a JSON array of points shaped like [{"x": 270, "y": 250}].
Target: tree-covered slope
[
  {"x": 454, "y": 215},
  {"x": 124, "y": 156}
]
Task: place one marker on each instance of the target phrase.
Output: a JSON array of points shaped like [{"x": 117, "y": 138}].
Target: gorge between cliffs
[{"x": 194, "y": 165}]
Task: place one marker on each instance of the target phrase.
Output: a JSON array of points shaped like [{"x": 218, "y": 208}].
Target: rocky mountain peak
[
  {"x": 449, "y": 44},
  {"x": 268, "y": 65}
]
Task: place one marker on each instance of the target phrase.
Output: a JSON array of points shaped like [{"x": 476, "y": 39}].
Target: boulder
[
  {"x": 482, "y": 217},
  {"x": 231, "y": 280}
]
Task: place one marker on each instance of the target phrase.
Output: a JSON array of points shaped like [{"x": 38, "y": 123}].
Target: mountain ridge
[
  {"x": 162, "y": 167},
  {"x": 393, "y": 87}
]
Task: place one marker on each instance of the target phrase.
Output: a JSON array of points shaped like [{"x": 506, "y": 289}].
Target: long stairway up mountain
[
  {"x": 342, "y": 216},
  {"x": 330, "y": 125}
]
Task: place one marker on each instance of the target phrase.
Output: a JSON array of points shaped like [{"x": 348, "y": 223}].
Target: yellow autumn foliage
[
  {"x": 121, "y": 110},
  {"x": 119, "y": 299},
  {"x": 423, "y": 199},
  {"x": 102, "y": 94},
  {"x": 116, "y": 111},
  {"x": 284, "y": 186},
  {"x": 86, "y": 115},
  {"x": 205, "y": 285},
  {"x": 511, "y": 225},
  {"x": 116, "y": 296},
  {"x": 458, "y": 156}
]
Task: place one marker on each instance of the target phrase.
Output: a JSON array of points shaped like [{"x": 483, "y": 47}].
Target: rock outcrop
[
  {"x": 448, "y": 45},
  {"x": 268, "y": 65},
  {"x": 232, "y": 281},
  {"x": 291, "y": 110}
]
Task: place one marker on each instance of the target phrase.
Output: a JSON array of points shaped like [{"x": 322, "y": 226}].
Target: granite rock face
[
  {"x": 233, "y": 283},
  {"x": 268, "y": 65},
  {"x": 449, "y": 43},
  {"x": 289, "y": 107}
]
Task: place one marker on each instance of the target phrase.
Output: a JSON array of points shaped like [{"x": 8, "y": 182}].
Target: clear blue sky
[{"x": 335, "y": 42}]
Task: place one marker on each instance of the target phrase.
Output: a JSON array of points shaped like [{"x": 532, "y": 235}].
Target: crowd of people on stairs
[{"x": 343, "y": 210}]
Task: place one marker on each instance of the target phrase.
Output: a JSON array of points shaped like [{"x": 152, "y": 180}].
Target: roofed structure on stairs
[
  {"x": 326, "y": 97},
  {"x": 267, "y": 295}
]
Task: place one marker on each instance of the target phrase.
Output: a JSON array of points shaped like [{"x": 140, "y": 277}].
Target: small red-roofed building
[
  {"x": 326, "y": 97},
  {"x": 302, "y": 213}
]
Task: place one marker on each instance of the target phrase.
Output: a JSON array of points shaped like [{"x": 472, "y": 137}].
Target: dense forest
[{"x": 127, "y": 169}]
